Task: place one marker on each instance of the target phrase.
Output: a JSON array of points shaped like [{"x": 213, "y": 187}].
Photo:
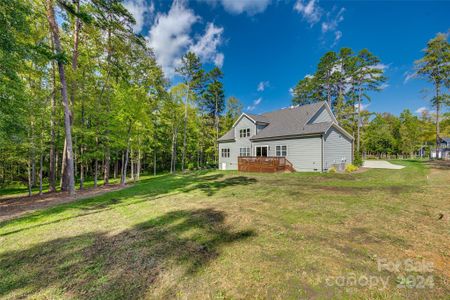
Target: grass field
[{"x": 228, "y": 235}]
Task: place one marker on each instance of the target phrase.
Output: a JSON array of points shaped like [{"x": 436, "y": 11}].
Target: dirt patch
[{"x": 14, "y": 207}]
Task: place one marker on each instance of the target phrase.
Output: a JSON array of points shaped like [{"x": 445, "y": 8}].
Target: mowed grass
[{"x": 229, "y": 235}]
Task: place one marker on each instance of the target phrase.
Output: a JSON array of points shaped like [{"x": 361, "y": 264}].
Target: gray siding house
[{"x": 308, "y": 136}]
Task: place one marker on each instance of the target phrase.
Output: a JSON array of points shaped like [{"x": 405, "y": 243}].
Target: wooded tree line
[
  {"x": 83, "y": 97},
  {"x": 346, "y": 79}
]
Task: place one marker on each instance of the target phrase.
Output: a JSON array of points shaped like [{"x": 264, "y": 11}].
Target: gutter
[
  {"x": 285, "y": 137},
  {"x": 322, "y": 140}
]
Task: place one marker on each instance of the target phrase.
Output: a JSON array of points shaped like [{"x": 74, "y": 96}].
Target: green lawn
[{"x": 223, "y": 235}]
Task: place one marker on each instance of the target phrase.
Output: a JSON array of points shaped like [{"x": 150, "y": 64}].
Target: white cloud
[
  {"x": 309, "y": 76},
  {"x": 330, "y": 25},
  {"x": 170, "y": 37},
  {"x": 140, "y": 9},
  {"x": 218, "y": 60},
  {"x": 310, "y": 11},
  {"x": 384, "y": 86},
  {"x": 313, "y": 13},
  {"x": 291, "y": 91},
  {"x": 251, "y": 7},
  {"x": 380, "y": 66},
  {"x": 337, "y": 37},
  {"x": 409, "y": 76},
  {"x": 363, "y": 106},
  {"x": 255, "y": 104},
  {"x": 421, "y": 110},
  {"x": 262, "y": 86},
  {"x": 332, "y": 22},
  {"x": 206, "y": 46}
]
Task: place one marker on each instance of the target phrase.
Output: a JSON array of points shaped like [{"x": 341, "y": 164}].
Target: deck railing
[{"x": 264, "y": 164}]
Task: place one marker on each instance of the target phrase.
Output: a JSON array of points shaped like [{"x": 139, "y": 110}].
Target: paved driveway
[{"x": 380, "y": 164}]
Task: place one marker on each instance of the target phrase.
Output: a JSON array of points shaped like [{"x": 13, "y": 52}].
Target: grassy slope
[{"x": 230, "y": 235}]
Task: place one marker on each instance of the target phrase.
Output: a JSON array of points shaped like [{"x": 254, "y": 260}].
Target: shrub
[
  {"x": 332, "y": 170},
  {"x": 350, "y": 168},
  {"x": 357, "y": 160}
]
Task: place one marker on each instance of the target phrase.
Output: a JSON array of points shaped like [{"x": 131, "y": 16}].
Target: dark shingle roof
[
  {"x": 258, "y": 118},
  {"x": 227, "y": 136},
  {"x": 286, "y": 122},
  {"x": 292, "y": 121}
]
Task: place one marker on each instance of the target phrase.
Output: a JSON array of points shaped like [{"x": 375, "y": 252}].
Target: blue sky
[{"x": 264, "y": 47}]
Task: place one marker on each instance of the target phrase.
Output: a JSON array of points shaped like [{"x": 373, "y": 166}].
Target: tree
[
  {"x": 233, "y": 111},
  {"x": 409, "y": 133},
  {"x": 214, "y": 101},
  {"x": 62, "y": 77},
  {"x": 191, "y": 71},
  {"x": 435, "y": 68},
  {"x": 369, "y": 77}
]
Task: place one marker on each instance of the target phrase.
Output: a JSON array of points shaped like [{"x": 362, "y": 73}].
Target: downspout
[{"x": 322, "y": 150}]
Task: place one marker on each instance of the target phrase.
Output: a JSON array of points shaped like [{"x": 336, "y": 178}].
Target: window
[
  {"x": 281, "y": 150},
  {"x": 262, "y": 150},
  {"x": 244, "y": 152},
  {"x": 226, "y": 152},
  {"x": 244, "y": 132}
]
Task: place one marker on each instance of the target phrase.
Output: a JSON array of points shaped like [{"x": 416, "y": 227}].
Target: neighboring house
[
  {"x": 444, "y": 149},
  {"x": 308, "y": 136}
]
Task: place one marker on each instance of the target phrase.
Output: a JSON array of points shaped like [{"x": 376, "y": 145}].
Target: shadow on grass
[
  {"x": 124, "y": 265},
  {"x": 146, "y": 190}
]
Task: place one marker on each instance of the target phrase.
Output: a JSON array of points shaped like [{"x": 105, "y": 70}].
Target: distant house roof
[
  {"x": 446, "y": 140},
  {"x": 287, "y": 122}
]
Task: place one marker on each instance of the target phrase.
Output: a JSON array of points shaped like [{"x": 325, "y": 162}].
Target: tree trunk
[
  {"x": 216, "y": 145},
  {"x": 438, "y": 110},
  {"x": 41, "y": 167},
  {"x": 116, "y": 168},
  {"x": 29, "y": 178},
  {"x": 81, "y": 176},
  {"x": 95, "y": 172},
  {"x": 183, "y": 158},
  {"x": 52, "y": 168},
  {"x": 138, "y": 165},
  {"x": 106, "y": 166},
  {"x": 132, "y": 166},
  {"x": 154, "y": 162},
  {"x": 123, "y": 179},
  {"x": 62, "y": 77},
  {"x": 358, "y": 141},
  {"x": 173, "y": 163},
  {"x": 64, "y": 181}
]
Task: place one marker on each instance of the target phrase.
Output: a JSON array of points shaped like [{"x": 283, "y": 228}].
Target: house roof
[
  {"x": 292, "y": 121},
  {"x": 446, "y": 139},
  {"x": 258, "y": 118}
]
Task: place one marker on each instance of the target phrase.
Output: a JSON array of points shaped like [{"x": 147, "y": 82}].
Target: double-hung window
[
  {"x": 226, "y": 152},
  {"x": 244, "y": 132},
  {"x": 244, "y": 152},
  {"x": 281, "y": 150}
]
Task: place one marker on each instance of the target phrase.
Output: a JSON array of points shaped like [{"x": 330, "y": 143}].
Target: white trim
[
  {"x": 241, "y": 116},
  {"x": 327, "y": 107},
  {"x": 342, "y": 130},
  {"x": 261, "y": 146},
  {"x": 249, "y": 151},
  {"x": 281, "y": 150}
]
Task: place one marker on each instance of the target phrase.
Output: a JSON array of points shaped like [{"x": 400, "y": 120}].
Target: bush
[
  {"x": 332, "y": 170},
  {"x": 350, "y": 168},
  {"x": 357, "y": 160}
]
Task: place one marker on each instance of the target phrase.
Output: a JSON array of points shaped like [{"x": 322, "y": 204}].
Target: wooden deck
[{"x": 264, "y": 164}]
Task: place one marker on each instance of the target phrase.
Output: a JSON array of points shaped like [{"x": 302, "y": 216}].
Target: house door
[{"x": 262, "y": 151}]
